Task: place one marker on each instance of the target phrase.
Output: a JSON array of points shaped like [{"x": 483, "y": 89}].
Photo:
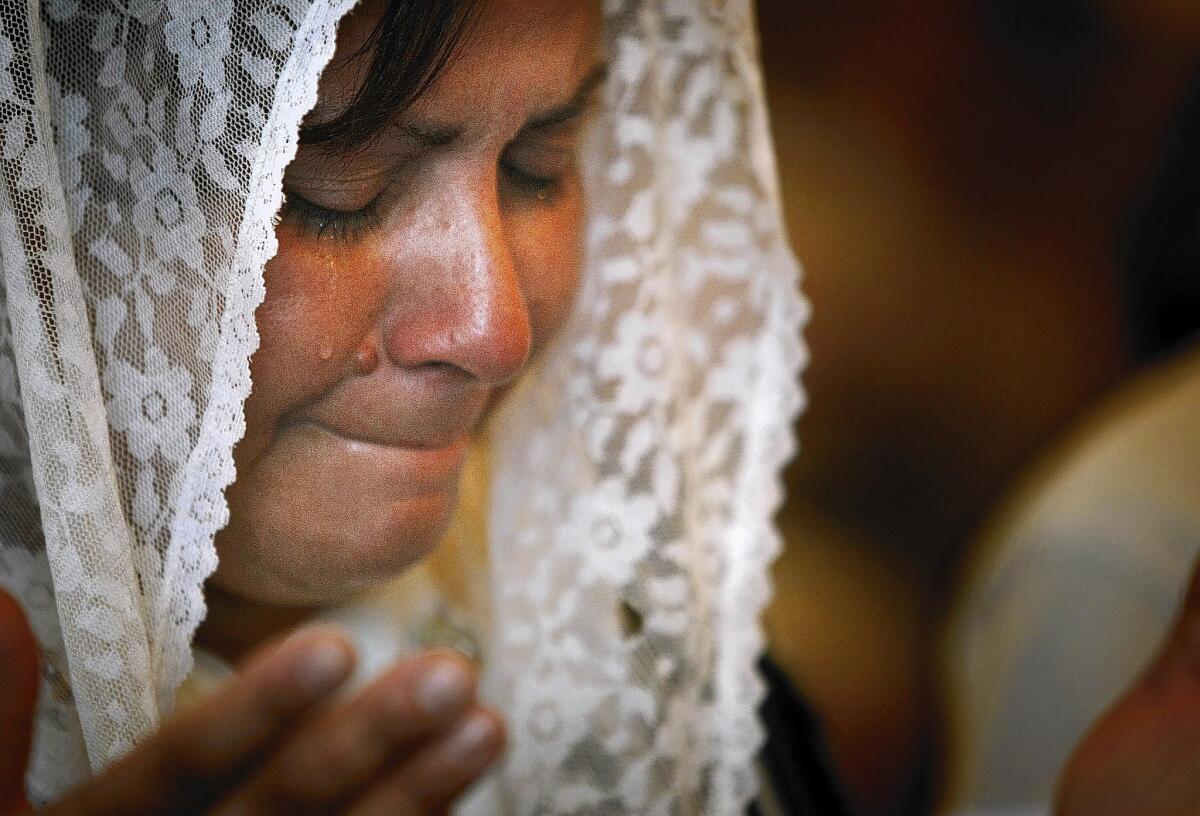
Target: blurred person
[
  {"x": 958, "y": 176},
  {"x": 1075, "y": 582},
  {"x": 1072, "y": 590},
  {"x": 1141, "y": 757}
]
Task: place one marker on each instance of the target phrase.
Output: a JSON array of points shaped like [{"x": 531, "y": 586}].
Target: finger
[
  {"x": 197, "y": 756},
  {"x": 18, "y": 698},
  {"x": 341, "y": 750},
  {"x": 440, "y": 773}
]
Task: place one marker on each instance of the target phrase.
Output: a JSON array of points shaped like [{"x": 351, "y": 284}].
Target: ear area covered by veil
[
  {"x": 143, "y": 152},
  {"x": 635, "y": 470}
]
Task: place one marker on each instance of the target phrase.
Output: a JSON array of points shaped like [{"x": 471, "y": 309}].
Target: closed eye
[
  {"x": 317, "y": 221},
  {"x": 539, "y": 186}
]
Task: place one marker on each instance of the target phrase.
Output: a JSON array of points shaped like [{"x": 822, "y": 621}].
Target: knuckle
[
  {"x": 395, "y": 800},
  {"x": 306, "y": 775},
  {"x": 317, "y": 770},
  {"x": 270, "y": 696},
  {"x": 186, "y": 757}
]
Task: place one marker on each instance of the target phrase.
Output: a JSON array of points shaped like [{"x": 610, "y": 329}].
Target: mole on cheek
[{"x": 366, "y": 359}]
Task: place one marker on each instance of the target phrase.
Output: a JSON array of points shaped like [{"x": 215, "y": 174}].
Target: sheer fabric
[{"x": 142, "y": 147}]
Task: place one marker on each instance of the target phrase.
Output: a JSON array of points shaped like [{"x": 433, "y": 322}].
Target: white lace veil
[{"x": 142, "y": 147}]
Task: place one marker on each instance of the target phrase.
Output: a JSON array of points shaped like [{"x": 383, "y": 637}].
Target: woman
[{"x": 431, "y": 269}]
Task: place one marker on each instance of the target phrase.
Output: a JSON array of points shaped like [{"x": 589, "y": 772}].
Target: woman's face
[{"x": 415, "y": 278}]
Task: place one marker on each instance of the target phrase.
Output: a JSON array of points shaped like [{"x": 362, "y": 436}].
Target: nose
[{"x": 459, "y": 295}]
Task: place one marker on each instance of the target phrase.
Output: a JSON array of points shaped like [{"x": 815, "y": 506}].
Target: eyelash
[
  {"x": 542, "y": 188},
  {"x": 349, "y": 226},
  {"x": 313, "y": 219}
]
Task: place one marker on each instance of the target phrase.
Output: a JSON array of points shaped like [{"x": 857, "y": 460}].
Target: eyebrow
[
  {"x": 578, "y": 102},
  {"x": 430, "y": 137}
]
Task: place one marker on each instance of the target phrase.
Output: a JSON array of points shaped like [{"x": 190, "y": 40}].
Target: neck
[{"x": 234, "y": 626}]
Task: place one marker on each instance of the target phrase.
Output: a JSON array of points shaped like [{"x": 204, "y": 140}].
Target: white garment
[
  {"x": 142, "y": 146},
  {"x": 1073, "y": 591}
]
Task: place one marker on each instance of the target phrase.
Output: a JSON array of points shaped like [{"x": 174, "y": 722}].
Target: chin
[
  {"x": 325, "y": 555},
  {"x": 407, "y": 534}
]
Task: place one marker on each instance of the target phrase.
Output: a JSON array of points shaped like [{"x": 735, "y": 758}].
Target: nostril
[{"x": 483, "y": 330}]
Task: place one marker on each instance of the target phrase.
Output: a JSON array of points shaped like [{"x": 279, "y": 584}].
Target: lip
[
  {"x": 396, "y": 408},
  {"x": 381, "y": 443},
  {"x": 427, "y": 459}
]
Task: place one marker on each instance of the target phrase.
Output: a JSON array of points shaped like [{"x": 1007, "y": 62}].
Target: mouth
[
  {"x": 396, "y": 411},
  {"x": 432, "y": 458},
  {"x": 371, "y": 440}
]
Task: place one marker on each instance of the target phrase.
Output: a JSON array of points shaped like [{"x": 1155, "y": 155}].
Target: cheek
[
  {"x": 550, "y": 251},
  {"x": 320, "y": 303}
]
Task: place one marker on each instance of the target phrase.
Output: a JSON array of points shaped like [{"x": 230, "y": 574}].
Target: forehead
[{"x": 516, "y": 58}]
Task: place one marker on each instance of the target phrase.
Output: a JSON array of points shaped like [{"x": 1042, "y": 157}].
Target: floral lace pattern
[
  {"x": 637, "y": 472},
  {"x": 143, "y": 151},
  {"x": 142, "y": 147}
]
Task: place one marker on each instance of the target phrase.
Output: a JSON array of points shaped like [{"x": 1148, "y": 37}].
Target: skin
[
  {"x": 269, "y": 725},
  {"x": 273, "y": 740},
  {"x": 385, "y": 340}
]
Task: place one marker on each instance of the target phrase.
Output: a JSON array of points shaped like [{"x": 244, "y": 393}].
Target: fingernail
[
  {"x": 470, "y": 745},
  {"x": 322, "y": 666},
  {"x": 444, "y": 689}
]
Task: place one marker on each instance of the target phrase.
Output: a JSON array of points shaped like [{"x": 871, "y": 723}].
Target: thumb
[{"x": 18, "y": 696}]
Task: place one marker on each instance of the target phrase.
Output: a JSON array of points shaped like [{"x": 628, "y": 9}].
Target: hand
[
  {"x": 273, "y": 739},
  {"x": 1143, "y": 757}
]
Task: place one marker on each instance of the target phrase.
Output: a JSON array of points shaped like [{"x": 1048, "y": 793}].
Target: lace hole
[{"x": 630, "y": 619}]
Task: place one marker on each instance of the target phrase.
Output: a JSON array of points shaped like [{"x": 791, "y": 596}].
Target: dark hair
[{"x": 409, "y": 48}]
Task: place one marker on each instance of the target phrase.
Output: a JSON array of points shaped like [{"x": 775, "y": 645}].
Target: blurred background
[{"x": 971, "y": 187}]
